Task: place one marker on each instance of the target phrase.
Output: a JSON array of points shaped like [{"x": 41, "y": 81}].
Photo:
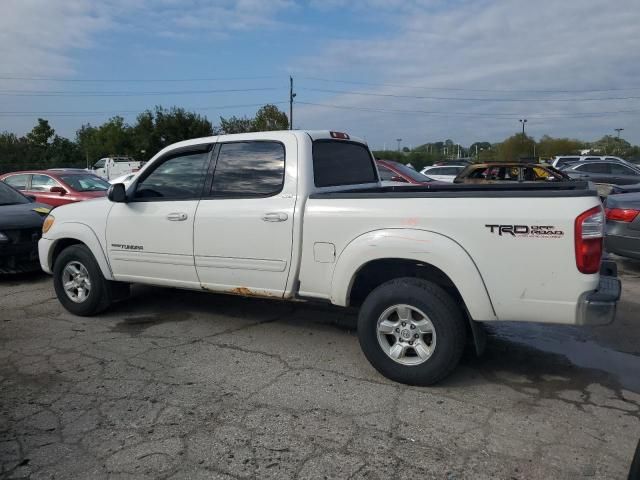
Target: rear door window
[
  {"x": 593, "y": 168},
  {"x": 342, "y": 163},
  {"x": 19, "y": 182},
  {"x": 249, "y": 169},
  {"x": 385, "y": 173}
]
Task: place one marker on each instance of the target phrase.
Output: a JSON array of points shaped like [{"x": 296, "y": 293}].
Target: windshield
[
  {"x": 85, "y": 183},
  {"x": 409, "y": 172},
  {"x": 9, "y": 196}
]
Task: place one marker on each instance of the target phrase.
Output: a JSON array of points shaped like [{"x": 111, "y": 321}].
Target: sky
[{"x": 416, "y": 70}]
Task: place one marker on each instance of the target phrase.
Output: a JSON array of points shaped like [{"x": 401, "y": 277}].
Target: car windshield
[
  {"x": 85, "y": 183},
  {"x": 410, "y": 172},
  {"x": 9, "y": 196}
]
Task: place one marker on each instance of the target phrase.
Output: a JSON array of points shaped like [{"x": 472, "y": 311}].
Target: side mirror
[
  {"x": 117, "y": 193},
  {"x": 59, "y": 190}
]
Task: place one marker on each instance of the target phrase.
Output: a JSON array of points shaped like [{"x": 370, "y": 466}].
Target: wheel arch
[
  {"x": 69, "y": 234},
  {"x": 378, "y": 256}
]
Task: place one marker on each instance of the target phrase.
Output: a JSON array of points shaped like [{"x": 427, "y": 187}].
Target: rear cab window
[{"x": 340, "y": 162}]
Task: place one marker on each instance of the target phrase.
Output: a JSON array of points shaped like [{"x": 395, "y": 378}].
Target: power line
[
  {"x": 466, "y": 99},
  {"x": 46, "y": 93},
  {"x": 470, "y": 114},
  {"x": 454, "y": 89},
  {"x": 4, "y": 76},
  {"x": 122, "y": 112}
]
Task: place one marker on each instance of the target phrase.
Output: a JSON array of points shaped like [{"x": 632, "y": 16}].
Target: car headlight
[
  {"x": 3, "y": 238},
  {"x": 48, "y": 223}
]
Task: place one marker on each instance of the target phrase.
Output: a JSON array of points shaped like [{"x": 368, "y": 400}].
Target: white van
[{"x": 112, "y": 167}]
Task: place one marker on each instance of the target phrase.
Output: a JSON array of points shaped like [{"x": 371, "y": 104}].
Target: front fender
[
  {"x": 75, "y": 231},
  {"x": 420, "y": 245}
]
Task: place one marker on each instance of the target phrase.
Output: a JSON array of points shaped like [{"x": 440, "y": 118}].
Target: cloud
[{"x": 492, "y": 45}]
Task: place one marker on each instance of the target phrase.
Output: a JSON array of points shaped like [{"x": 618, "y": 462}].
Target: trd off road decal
[{"x": 535, "y": 231}]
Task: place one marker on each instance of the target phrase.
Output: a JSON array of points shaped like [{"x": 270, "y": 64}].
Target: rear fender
[{"x": 424, "y": 246}]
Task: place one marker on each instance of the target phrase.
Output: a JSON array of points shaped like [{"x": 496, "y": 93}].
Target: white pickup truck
[{"x": 301, "y": 215}]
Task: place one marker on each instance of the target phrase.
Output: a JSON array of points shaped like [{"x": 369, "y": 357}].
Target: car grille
[{"x": 23, "y": 235}]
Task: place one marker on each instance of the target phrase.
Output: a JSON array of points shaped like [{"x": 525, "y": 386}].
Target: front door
[
  {"x": 244, "y": 226},
  {"x": 150, "y": 238}
]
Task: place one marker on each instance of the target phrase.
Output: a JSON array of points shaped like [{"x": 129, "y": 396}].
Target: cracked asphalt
[{"x": 175, "y": 384}]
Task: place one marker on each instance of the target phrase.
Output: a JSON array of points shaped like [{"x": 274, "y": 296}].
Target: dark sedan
[
  {"x": 20, "y": 229},
  {"x": 623, "y": 225}
]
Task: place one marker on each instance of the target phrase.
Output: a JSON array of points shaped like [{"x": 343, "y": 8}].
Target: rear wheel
[
  {"x": 411, "y": 331},
  {"x": 79, "y": 284}
]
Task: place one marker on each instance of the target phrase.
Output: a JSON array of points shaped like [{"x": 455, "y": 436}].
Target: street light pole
[
  {"x": 523, "y": 121},
  {"x": 618, "y": 130},
  {"x": 398, "y": 140}
]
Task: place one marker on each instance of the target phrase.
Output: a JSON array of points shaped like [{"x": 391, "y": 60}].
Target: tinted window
[
  {"x": 180, "y": 177},
  {"x": 17, "y": 181},
  {"x": 8, "y": 196},
  {"x": 445, "y": 171},
  {"x": 593, "y": 168},
  {"x": 249, "y": 169},
  {"x": 618, "y": 169},
  {"x": 342, "y": 163},
  {"x": 42, "y": 183},
  {"x": 85, "y": 183},
  {"x": 385, "y": 173}
]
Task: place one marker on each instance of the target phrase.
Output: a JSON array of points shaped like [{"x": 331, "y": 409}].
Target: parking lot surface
[{"x": 175, "y": 384}]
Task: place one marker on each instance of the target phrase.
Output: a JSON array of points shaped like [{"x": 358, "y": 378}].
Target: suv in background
[
  {"x": 563, "y": 161},
  {"x": 607, "y": 170},
  {"x": 444, "y": 173}
]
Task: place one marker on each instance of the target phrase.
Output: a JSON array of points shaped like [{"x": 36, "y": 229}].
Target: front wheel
[
  {"x": 411, "y": 331},
  {"x": 79, "y": 284}
]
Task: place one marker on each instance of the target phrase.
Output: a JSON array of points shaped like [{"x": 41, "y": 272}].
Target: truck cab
[{"x": 112, "y": 167}]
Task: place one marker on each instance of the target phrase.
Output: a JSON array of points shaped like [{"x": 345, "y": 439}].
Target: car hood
[{"x": 24, "y": 215}]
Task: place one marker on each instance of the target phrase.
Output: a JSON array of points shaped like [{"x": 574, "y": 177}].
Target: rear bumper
[{"x": 598, "y": 307}]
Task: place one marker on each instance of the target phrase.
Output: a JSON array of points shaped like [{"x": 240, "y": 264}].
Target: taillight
[
  {"x": 621, "y": 214},
  {"x": 589, "y": 230}
]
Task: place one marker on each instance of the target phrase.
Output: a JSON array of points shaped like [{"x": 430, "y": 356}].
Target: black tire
[
  {"x": 100, "y": 294},
  {"x": 445, "y": 315}
]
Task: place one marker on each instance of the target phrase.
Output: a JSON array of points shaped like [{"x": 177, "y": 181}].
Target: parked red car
[
  {"x": 391, "y": 171},
  {"x": 57, "y": 186}
]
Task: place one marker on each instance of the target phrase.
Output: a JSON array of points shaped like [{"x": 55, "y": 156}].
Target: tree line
[{"x": 153, "y": 130}]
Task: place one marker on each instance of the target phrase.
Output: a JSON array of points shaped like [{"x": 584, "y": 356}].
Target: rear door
[
  {"x": 150, "y": 238},
  {"x": 244, "y": 226}
]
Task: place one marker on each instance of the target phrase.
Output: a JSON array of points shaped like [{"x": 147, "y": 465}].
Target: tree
[
  {"x": 269, "y": 118},
  {"x": 548, "y": 146},
  {"x": 41, "y": 134},
  {"x": 515, "y": 147}
]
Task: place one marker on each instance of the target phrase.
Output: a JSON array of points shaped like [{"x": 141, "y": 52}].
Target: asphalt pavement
[{"x": 176, "y": 384}]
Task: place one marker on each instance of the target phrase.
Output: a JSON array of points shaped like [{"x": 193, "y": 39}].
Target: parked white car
[
  {"x": 112, "y": 167},
  {"x": 301, "y": 215},
  {"x": 443, "y": 173}
]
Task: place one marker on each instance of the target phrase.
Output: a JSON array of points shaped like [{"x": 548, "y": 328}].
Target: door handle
[
  {"x": 177, "y": 216},
  {"x": 275, "y": 217}
]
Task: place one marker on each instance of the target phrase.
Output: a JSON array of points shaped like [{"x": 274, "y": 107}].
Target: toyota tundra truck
[{"x": 302, "y": 215}]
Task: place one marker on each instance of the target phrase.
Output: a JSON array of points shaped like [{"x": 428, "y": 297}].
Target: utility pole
[
  {"x": 618, "y": 130},
  {"x": 291, "y": 97},
  {"x": 398, "y": 140}
]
